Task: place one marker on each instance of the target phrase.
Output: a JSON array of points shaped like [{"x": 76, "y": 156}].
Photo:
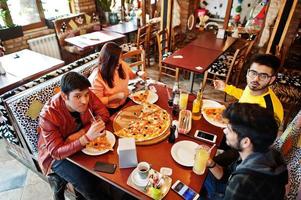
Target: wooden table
[
  {"x": 157, "y": 154},
  {"x": 208, "y": 40},
  {"x": 94, "y": 39},
  {"x": 123, "y": 28},
  {"x": 198, "y": 55},
  {"x": 24, "y": 66}
]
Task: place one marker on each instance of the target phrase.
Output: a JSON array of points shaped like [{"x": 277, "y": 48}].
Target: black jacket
[{"x": 261, "y": 176}]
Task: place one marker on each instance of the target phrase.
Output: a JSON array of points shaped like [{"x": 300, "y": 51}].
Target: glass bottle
[
  {"x": 174, "y": 89},
  {"x": 197, "y": 106},
  {"x": 176, "y": 99}
]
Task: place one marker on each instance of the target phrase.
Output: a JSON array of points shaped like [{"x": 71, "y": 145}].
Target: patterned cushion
[
  {"x": 289, "y": 79},
  {"x": 289, "y": 144},
  {"x": 165, "y": 55},
  {"x": 6, "y": 129},
  {"x": 221, "y": 65}
]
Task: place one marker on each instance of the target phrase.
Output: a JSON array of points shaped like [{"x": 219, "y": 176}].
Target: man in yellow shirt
[{"x": 260, "y": 75}]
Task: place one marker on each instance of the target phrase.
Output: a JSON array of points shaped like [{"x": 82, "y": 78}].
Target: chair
[
  {"x": 141, "y": 40},
  {"x": 289, "y": 144},
  {"x": 135, "y": 58},
  {"x": 163, "y": 47},
  {"x": 227, "y": 65},
  {"x": 177, "y": 38},
  {"x": 154, "y": 27},
  {"x": 287, "y": 87}
]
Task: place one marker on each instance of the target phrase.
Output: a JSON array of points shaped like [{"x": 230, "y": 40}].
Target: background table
[
  {"x": 24, "y": 66},
  {"x": 93, "y": 39},
  {"x": 158, "y": 155}
]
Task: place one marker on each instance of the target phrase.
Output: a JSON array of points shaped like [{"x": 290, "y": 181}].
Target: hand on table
[{"x": 219, "y": 85}]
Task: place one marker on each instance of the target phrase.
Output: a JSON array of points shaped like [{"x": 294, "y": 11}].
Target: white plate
[
  {"x": 137, "y": 180},
  {"x": 94, "y": 152},
  {"x": 212, "y": 104},
  {"x": 183, "y": 152},
  {"x": 152, "y": 97}
]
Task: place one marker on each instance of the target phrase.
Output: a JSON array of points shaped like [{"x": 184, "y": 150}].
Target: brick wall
[
  {"x": 20, "y": 43},
  {"x": 187, "y": 8},
  {"x": 79, "y": 6}
]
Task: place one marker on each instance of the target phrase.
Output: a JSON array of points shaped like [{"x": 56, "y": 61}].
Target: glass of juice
[
  {"x": 183, "y": 100},
  {"x": 200, "y": 160}
]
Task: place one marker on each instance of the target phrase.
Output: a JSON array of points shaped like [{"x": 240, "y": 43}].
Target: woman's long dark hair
[{"x": 108, "y": 61}]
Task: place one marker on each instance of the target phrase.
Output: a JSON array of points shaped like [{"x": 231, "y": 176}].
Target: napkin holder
[{"x": 127, "y": 152}]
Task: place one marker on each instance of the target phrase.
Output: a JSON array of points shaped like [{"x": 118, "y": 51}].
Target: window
[
  {"x": 55, "y": 8},
  {"x": 24, "y": 12}
]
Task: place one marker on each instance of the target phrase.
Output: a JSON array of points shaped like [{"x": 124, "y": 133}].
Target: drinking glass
[
  {"x": 200, "y": 159},
  {"x": 183, "y": 100}
]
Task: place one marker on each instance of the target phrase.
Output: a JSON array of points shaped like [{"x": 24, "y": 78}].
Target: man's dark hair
[
  {"x": 267, "y": 60},
  {"x": 255, "y": 122},
  {"x": 73, "y": 81}
]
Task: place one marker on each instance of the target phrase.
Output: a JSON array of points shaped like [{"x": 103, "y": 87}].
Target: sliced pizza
[
  {"x": 215, "y": 114},
  {"x": 100, "y": 144}
]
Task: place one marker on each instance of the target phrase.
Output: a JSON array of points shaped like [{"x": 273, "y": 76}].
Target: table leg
[
  {"x": 202, "y": 87},
  {"x": 191, "y": 81}
]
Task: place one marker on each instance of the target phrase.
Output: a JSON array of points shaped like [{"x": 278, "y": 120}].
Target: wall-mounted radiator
[{"x": 46, "y": 45}]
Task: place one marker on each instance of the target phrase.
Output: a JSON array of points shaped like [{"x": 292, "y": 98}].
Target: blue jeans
[
  {"x": 84, "y": 182},
  {"x": 215, "y": 188}
]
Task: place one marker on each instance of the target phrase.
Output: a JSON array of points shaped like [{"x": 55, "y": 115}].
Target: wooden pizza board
[{"x": 125, "y": 116}]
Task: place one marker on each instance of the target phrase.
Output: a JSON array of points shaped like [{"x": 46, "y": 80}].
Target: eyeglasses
[{"x": 262, "y": 76}]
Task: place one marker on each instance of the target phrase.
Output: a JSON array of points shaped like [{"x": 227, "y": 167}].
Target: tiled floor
[{"x": 19, "y": 183}]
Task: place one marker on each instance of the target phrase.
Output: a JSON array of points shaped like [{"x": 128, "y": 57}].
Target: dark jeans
[
  {"x": 215, "y": 188},
  {"x": 89, "y": 186}
]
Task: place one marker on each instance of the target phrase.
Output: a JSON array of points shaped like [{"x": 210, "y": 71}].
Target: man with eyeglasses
[
  {"x": 259, "y": 173},
  {"x": 260, "y": 75}
]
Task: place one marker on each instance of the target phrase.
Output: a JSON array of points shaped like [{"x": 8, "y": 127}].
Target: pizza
[
  {"x": 215, "y": 114},
  {"x": 141, "y": 96},
  {"x": 146, "y": 123},
  {"x": 101, "y": 143}
]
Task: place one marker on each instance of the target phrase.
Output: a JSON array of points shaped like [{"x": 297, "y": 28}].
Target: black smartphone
[{"x": 105, "y": 167}]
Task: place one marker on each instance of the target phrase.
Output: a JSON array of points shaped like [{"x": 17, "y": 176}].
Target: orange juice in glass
[
  {"x": 183, "y": 100},
  {"x": 200, "y": 160}
]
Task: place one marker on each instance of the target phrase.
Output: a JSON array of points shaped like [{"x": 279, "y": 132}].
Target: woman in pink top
[{"x": 110, "y": 79}]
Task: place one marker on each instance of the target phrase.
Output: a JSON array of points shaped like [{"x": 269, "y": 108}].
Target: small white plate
[
  {"x": 183, "y": 152},
  {"x": 152, "y": 97},
  {"x": 94, "y": 152},
  {"x": 137, "y": 180},
  {"x": 212, "y": 104}
]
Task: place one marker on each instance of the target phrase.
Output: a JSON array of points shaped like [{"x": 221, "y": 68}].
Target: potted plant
[
  {"x": 105, "y": 7},
  {"x": 10, "y": 30}
]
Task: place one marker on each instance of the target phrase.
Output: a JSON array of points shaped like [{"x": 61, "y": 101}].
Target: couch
[
  {"x": 73, "y": 26},
  {"x": 20, "y": 109}
]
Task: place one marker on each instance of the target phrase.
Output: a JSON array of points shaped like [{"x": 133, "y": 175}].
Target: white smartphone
[
  {"x": 184, "y": 191},
  {"x": 202, "y": 135}
]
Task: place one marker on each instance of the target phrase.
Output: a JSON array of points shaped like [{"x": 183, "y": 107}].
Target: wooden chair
[
  {"x": 135, "y": 58},
  {"x": 163, "y": 47},
  {"x": 141, "y": 40},
  {"x": 154, "y": 27},
  {"x": 289, "y": 144},
  {"x": 177, "y": 38},
  {"x": 228, "y": 66}
]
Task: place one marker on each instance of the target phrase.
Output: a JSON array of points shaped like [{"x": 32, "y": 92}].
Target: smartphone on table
[
  {"x": 184, "y": 191},
  {"x": 105, "y": 167},
  {"x": 205, "y": 136}
]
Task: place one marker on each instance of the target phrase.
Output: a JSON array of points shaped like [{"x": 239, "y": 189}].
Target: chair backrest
[
  {"x": 289, "y": 144},
  {"x": 237, "y": 63},
  {"x": 163, "y": 43},
  {"x": 135, "y": 58},
  {"x": 24, "y": 108},
  {"x": 142, "y": 37}
]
